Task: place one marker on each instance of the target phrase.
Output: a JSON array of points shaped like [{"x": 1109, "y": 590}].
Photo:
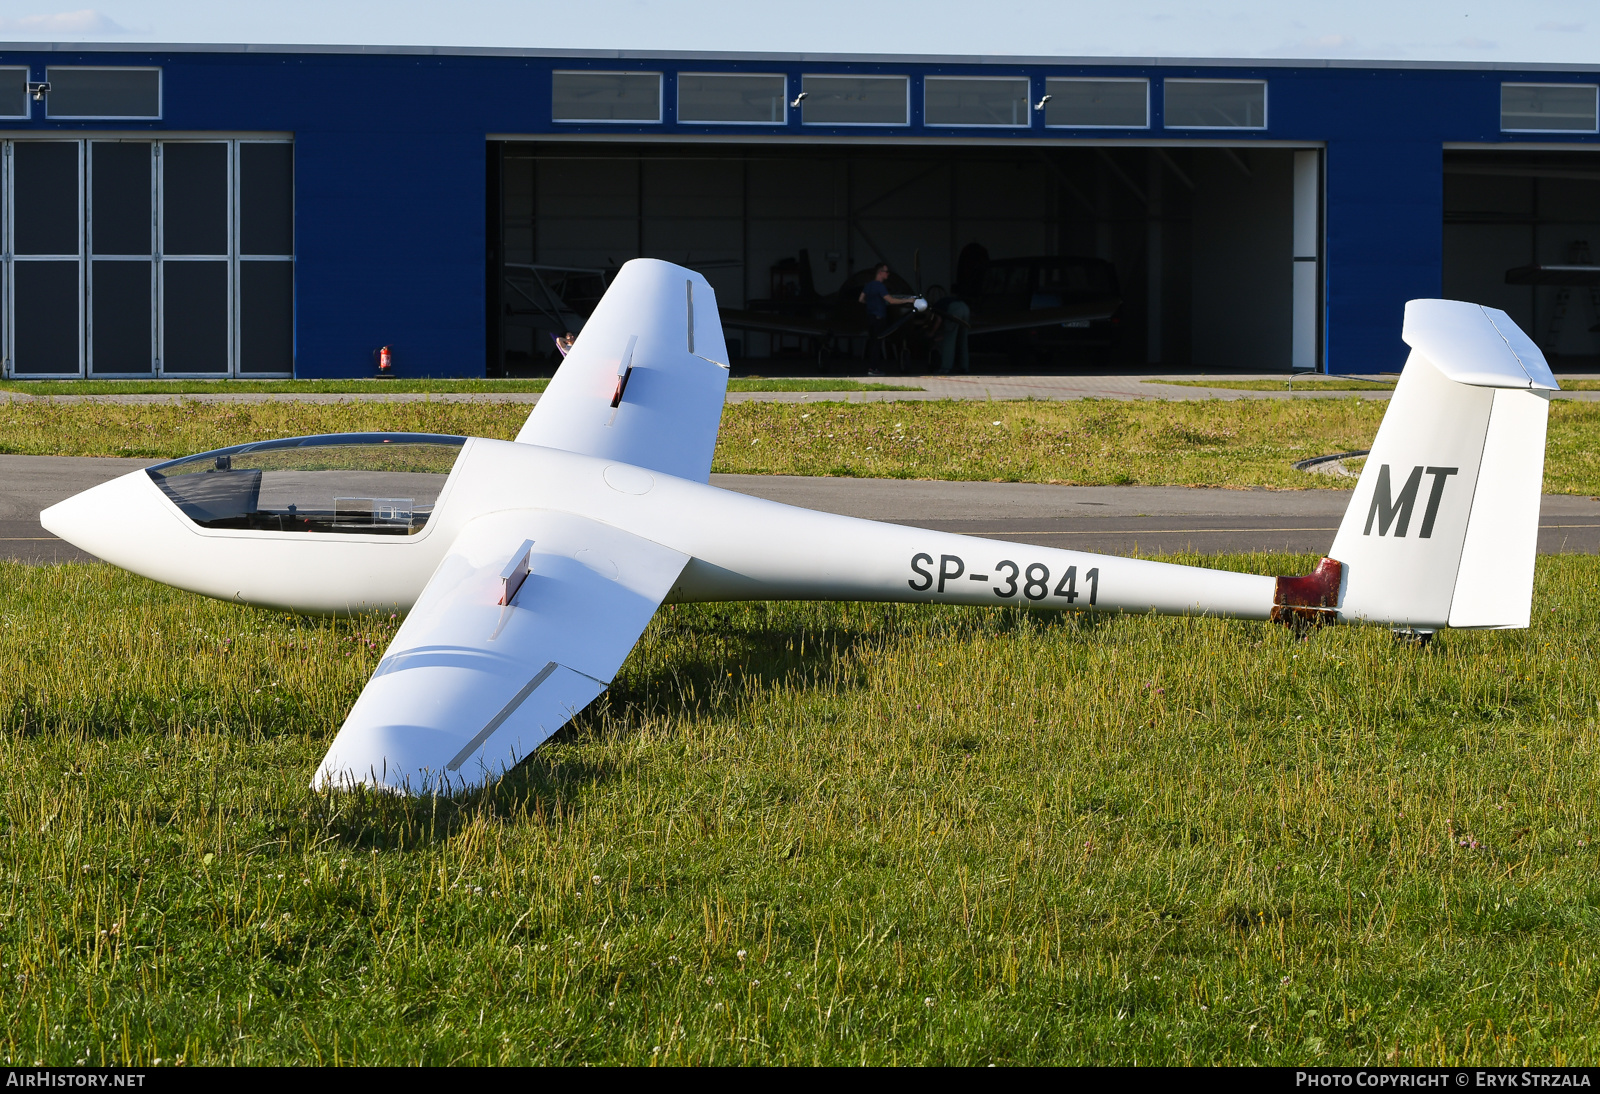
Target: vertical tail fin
[{"x": 1444, "y": 523}]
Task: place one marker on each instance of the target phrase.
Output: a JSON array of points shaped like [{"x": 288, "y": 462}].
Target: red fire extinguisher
[{"x": 385, "y": 361}]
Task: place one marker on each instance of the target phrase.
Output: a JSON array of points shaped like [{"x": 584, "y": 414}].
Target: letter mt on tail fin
[
  {"x": 1444, "y": 523},
  {"x": 646, "y": 380}
]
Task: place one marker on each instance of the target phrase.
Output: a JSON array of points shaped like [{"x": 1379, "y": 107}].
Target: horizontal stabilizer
[{"x": 1475, "y": 345}]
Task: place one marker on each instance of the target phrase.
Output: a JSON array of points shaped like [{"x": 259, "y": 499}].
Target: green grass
[
  {"x": 1234, "y": 443},
  {"x": 1088, "y": 442},
  {"x": 380, "y": 387},
  {"x": 1299, "y": 384},
  {"x": 811, "y": 833}
]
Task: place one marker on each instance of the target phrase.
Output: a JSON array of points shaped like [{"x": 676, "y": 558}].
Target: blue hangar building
[{"x": 277, "y": 211}]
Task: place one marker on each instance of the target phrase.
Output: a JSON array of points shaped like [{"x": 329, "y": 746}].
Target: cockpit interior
[{"x": 344, "y": 483}]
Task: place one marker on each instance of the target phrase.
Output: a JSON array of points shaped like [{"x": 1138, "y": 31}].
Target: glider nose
[
  {"x": 71, "y": 519},
  {"x": 104, "y": 520}
]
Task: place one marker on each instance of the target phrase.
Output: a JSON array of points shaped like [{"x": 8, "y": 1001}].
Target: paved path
[
  {"x": 1055, "y": 388},
  {"x": 1112, "y": 519},
  {"x": 29, "y": 484},
  {"x": 932, "y": 389},
  {"x": 1100, "y": 385}
]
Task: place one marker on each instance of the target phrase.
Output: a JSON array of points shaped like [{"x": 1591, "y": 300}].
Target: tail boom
[{"x": 762, "y": 550}]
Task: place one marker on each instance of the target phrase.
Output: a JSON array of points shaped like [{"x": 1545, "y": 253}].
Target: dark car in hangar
[{"x": 1047, "y": 282}]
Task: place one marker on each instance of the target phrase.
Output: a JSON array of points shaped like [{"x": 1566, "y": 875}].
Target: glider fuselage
[{"x": 740, "y": 547}]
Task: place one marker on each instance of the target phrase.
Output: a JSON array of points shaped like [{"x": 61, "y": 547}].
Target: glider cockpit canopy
[{"x": 344, "y": 483}]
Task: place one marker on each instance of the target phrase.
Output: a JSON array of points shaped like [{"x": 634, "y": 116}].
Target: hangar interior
[
  {"x": 1217, "y": 249},
  {"x": 1509, "y": 216}
]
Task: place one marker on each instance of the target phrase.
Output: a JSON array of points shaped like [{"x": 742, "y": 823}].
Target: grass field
[
  {"x": 1089, "y": 442},
  {"x": 381, "y": 387},
  {"x": 811, "y": 833}
]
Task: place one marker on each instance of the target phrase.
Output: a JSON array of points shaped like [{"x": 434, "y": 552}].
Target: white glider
[{"x": 531, "y": 567}]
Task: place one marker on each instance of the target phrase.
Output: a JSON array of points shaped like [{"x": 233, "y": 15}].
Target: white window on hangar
[
  {"x": 732, "y": 98},
  {"x": 1549, "y": 108},
  {"x": 1215, "y": 104},
  {"x": 146, "y": 258},
  {"x": 80, "y": 92},
  {"x": 1083, "y": 103},
  {"x": 605, "y": 97},
  {"x": 975, "y": 100},
  {"x": 855, "y": 100},
  {"x": 13, "y": 92}
]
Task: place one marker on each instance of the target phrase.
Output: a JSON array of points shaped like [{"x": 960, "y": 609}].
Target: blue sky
[{"x": 1525, "y": 31}]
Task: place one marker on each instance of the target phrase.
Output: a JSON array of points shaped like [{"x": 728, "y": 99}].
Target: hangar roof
[{"x": 794, "y": 58}]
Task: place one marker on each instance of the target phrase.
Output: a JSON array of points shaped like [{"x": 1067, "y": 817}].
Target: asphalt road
[
  {"x": 1110, "y": 519},
  {"x": 29, "y": 484}
]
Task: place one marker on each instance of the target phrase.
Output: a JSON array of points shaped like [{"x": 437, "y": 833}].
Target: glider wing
[
  {"x": 645, "y": 381},
  {"x": 524, "y": 623},
  {"x": 1047, "y": 317}
]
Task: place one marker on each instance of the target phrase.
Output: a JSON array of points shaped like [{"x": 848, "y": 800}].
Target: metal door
[
  {"x": 140, "y": 257},
  {"x": 120, "y": 215},
  {"x": 45, "y": 257},
  {"x": 195, "y": 258},
  {"x": 265, "y": 216}
]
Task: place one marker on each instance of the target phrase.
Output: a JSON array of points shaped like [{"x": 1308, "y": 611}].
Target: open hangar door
[
  {"x": 1214, "y": 251},
  {"x": 1522, "y": 233}
]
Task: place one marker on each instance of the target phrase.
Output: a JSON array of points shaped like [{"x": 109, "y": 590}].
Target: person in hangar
[{"x": 876, "y": 297}]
